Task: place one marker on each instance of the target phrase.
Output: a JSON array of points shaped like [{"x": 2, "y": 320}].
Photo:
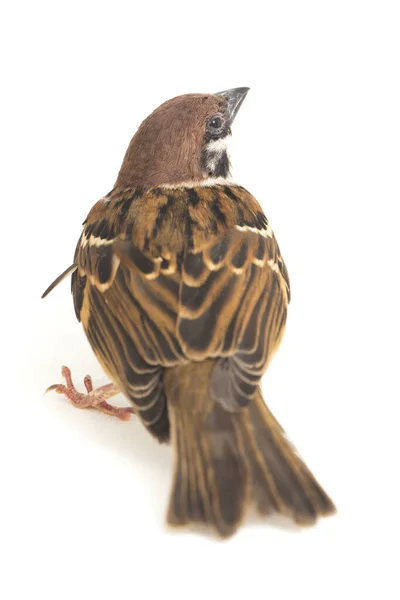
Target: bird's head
[{"x": 183, "y": 141}]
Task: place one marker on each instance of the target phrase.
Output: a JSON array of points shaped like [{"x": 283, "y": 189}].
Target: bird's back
[{"x": 167, "y": 276}]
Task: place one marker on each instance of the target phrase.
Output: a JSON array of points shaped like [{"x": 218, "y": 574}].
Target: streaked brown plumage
[{"x": 182, "y": 292}]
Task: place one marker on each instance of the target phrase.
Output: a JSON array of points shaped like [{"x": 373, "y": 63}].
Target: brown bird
[{"x": 183, "y": 294}]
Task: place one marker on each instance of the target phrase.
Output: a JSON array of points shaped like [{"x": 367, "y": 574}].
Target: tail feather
[
  {"x": 225, "y": 461},
  {"x": 208, "y": 467},
  {"x": 226, "y": 470},
  {"x": 281, "y": 481}
]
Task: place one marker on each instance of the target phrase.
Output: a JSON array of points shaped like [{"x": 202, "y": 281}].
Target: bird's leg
[{"x": 96, "y": 399}]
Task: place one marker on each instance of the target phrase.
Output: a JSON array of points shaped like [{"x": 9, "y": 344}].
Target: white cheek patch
[{"x": 218, "y": 146}]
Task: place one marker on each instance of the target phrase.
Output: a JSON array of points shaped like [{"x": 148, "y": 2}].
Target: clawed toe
[{"x": 96, "y": 399}]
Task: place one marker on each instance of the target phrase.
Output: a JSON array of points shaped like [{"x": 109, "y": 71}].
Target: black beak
[{"x": 234, "y": 100}]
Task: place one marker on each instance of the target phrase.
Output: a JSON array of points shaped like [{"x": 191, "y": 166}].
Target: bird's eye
[{"x": 215, "y": 124}]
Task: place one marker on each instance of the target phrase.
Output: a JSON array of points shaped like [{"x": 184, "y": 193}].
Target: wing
[
  {"x": 233, "y": 304},
  {"x": 164, "y": 279},
  {"x": 129, "y": 314}
]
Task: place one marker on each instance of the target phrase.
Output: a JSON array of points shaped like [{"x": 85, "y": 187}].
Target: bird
[{"x": 182, "y": 291}]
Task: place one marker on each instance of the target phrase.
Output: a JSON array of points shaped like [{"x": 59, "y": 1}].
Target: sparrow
[{"x": 183, "y": 293}]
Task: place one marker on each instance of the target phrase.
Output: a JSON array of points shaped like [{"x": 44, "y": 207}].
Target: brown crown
[{"x": 166, "y": 148}]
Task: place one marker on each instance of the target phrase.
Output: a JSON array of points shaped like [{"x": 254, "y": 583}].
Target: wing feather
[{"x": 211, "y": 287}]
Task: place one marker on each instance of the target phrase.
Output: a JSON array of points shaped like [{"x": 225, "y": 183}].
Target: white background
[{"x": 317, "y": 141}]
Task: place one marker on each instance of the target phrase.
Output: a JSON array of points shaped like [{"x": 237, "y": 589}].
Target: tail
[{"x": 226, "y": 461}]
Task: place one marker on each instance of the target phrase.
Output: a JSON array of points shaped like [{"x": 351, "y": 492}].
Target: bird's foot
[{"x": 96, "y": 399}]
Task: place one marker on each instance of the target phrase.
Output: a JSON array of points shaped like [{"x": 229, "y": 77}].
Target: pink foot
[{"x": 96, "y": 399}]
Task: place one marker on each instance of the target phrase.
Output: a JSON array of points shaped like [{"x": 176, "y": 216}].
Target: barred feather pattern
[{"x": 169, "y": 276}]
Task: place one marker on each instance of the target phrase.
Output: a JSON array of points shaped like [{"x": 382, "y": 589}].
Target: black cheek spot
[{"x": 222, "y": 166}]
